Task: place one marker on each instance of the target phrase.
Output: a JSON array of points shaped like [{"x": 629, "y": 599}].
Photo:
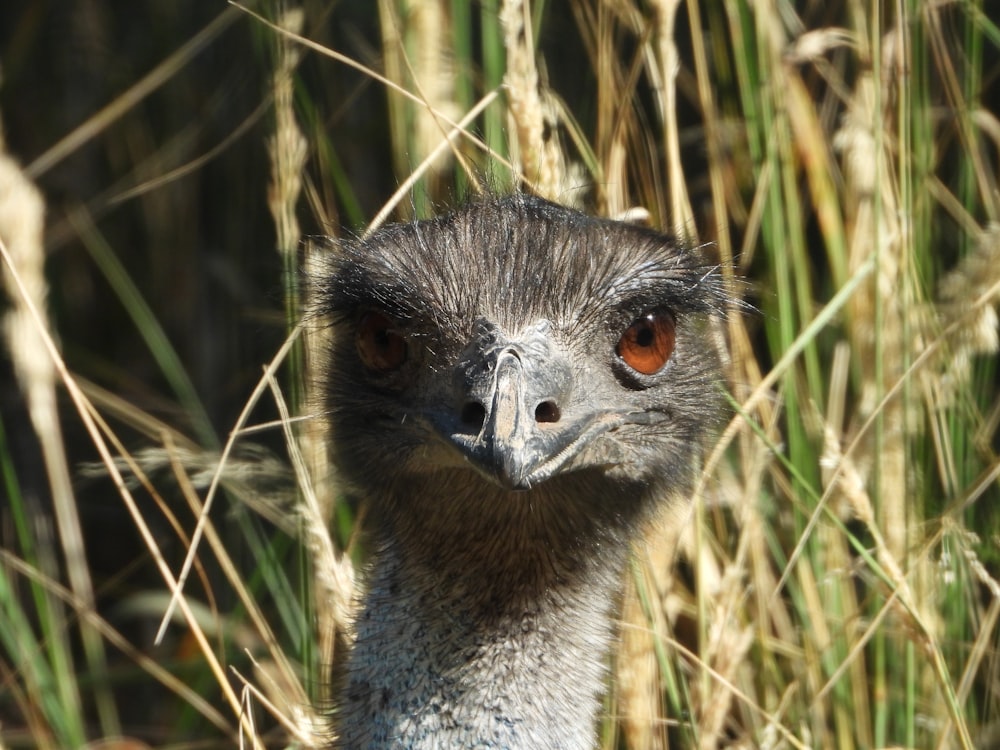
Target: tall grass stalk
[{"x": 21, "y": 222}]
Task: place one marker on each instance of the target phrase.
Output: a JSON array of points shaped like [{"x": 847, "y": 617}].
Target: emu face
[{"x": 514, "y": 344}]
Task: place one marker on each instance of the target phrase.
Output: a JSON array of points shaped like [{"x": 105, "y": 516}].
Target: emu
[{"x": 513, "y": 387}]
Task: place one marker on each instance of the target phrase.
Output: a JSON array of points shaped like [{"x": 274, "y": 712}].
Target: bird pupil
[{"x": 644, "y": 336}]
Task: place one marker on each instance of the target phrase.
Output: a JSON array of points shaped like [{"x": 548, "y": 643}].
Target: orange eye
[
  {"x": 380, "y": 346},
  {"x": 648, "y": 343}
]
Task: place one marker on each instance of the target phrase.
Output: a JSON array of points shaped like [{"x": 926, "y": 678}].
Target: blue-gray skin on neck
[{"x": 508, "y": 453}]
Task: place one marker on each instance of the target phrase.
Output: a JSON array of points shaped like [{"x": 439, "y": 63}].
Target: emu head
[{"x": 515, "y": 356}]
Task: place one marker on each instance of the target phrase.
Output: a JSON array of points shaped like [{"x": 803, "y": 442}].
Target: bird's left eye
[
  {"x": 381, "y": 347},
  {"x": 647, "y": 344}
]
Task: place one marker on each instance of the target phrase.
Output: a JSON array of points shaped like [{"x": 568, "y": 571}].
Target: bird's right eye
[{"x": 381, "y": 347}]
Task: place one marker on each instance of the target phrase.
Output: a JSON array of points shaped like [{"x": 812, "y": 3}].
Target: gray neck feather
[{"x": 501, "y": 644}]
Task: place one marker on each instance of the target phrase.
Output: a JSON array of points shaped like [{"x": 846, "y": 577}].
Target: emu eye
[
  {"x": 380, "y": 346},
  {"x": 648, "y": 343}
]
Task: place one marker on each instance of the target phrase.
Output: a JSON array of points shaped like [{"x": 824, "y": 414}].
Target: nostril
[
  {"x": 474, "y": 414},
  {"x": 547, "y": 411}
]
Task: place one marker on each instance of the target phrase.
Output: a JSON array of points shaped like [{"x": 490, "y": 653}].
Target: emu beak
[
  {"x": 510, "y": 448},
  {"x": 514, "y": 428}
]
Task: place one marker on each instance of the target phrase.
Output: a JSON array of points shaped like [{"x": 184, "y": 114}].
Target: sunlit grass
[{"x": 835, "y": 586}]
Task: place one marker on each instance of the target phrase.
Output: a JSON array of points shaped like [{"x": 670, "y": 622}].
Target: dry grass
[{"x": 834, "y": 583}]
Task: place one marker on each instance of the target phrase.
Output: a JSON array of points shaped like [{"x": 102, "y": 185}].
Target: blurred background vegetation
[{"x": 836, "y": 586}]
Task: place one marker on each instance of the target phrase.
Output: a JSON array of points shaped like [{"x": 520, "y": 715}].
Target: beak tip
[{"x": 505, "y": 466}]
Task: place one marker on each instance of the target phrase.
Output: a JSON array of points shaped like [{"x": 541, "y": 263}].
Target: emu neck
[{"x": 496, "y": 636}]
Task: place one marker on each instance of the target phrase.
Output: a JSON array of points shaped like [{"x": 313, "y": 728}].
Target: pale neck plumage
[{"x": 500, "y": 644}]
